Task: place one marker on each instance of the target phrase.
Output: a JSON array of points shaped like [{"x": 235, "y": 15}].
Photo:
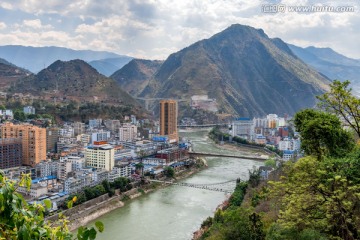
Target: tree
[
  {"x": 20, "y": 220},
  {"x": 19, "y": 115},
  {"x": 140, "y": 167},
  {"x": 169, "y": 172},
  {"x": 322, "y": 134},
  {"x": 320, "y": 195},
  {"x": 341, "y": 102}
]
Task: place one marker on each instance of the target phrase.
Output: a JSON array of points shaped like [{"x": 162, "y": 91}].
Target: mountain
[
  {"x": 73, "y": 80},
  {"x": 109, "y": 65},
  {"x": 330, "y": 63},
  {"x": 38, "y": 58},
  {"x": 9, "y": 73},
  {"x": 248, "y": 74},
  {"x": 134, "y": 76}
]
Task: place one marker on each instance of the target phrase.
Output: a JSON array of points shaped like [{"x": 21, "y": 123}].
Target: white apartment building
[
  {"x": 100, "y": 136},
  {"x": 64, "y": 167},
  {"x": 100, "y": 157},
  {"x": 79, "y": 128},
  {"x": 29, "y": 110},
  {"x": 66, "y": 132},
  {"x": 77, "y": 163},
  {"x": 46, "y": 168},
  {"x": 289, "y": 144},
  {"x": 84, "y": 139},
  {"x": 95, "y": 123},
  {"x": 243, "y": 127},
  {"x": 36, "y": 190},
  {"x": 127, "y": 132}
]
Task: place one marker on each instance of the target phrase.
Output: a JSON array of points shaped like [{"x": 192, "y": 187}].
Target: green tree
[
  {"x": 19, "y": 115},
  {"x": 169, "y": 172},
  {"x": 339, "y": 100},
  {"x": 322, "y": 134},
  {"x": 320, "y": 195},
  {"x": 20, "y": 220},
  {"x": 140, "y": 167}
]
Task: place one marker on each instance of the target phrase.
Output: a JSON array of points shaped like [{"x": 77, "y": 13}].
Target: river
[{"x": 175, "y": 212}]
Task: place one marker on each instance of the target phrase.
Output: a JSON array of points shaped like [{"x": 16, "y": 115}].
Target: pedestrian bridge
[
  {"x": 226, "y": 187},
  {"x": 207, "y": 154}
]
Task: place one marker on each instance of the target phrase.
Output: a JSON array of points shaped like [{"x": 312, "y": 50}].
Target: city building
[
  {"x": 260, "y": 139},
  {"x": 64, "y": 168},
  {"x": 100, "y": 155},
  {"x": 112, "y": 125},
  {"x": 10, "y": 152},
  {"x": 243, "y": 128},
  {"x": 168, "y": 120},
  {"x": 36, "y": 190},
  {"x": 95, "y": 123},
  {"x": 67, "y": 131},
  {"x": 33, "y": 141},
  {"x": 133, "y": 119},
  {"x": 127, "y": 132},
  {"x": 79, "y": 128},
  {"x": 46, "y": 168},
  {"x": 29, "y": 110},
  {"x": 288, "y": 155},
  {"x": 100, "y": 136},
  {"x": 52, "y": 136},
  {"x": 204, "y": 102}
]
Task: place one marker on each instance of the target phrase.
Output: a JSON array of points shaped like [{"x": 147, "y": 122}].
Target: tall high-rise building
[
  {"x": 168, "y": 120},
  {"x": 10, "y": 152},
  {"x": 33, "y": 141}
]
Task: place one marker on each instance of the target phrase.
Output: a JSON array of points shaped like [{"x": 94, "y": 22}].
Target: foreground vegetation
[
  {"x": 20, "y": 220},
  {"x": 317, "y": 197}
]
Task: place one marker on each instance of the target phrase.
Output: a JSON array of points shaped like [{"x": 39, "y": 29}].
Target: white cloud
[
  {"x": 156, "y": 28},
  {"x": 2, "y": 26},
  {"x": 36, "y": 24}
]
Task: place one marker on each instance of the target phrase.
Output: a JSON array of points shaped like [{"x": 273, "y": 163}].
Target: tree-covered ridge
[{"x": 317, "y": 197}]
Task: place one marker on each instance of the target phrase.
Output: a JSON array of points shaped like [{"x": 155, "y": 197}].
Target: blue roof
[
  {"x": 288, "y": 152},
  {"x": 36, "y": 180}
]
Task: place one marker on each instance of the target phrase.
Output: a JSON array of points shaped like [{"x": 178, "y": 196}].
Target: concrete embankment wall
[{"x": 84, "y": 213}]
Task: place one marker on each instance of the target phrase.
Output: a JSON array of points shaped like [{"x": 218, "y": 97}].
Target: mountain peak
[
  {"x": 248, "y": 74},
  {"x": 75, "y": 80}
]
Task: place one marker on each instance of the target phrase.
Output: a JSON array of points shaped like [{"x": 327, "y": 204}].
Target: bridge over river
[
  {"x": 207, "y": 154},
  {"x": 226, "y": 187}
]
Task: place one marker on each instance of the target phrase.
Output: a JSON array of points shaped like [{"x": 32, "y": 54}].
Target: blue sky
[{"x": 153, "y": 29}]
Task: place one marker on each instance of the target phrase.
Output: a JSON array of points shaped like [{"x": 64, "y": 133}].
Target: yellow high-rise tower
[
  {"x": 33, "y": 141},
  {"x": 168, "y": 120}
]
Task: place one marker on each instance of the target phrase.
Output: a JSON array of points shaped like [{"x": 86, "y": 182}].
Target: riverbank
[{"x": 89, "y": 211}]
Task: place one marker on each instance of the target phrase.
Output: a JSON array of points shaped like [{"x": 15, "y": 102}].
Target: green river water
[{"x": 175, "y": 212}]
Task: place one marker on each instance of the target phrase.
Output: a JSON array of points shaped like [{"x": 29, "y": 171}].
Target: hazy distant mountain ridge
[
  {"x": 110, "y": 65},
  {"x": 248, "y": 73},
  {"x": 330, "y": 63},
  {"x": 134, "y": 76},
  {"x": 73, "y": 80},
  {"x": 38, "y": 58}
]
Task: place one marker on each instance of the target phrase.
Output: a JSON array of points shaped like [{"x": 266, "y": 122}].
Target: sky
[{"x": 153, "y": 29}]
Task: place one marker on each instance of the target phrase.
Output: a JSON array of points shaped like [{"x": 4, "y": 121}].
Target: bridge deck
[
  {"x": 226, "y": 187},
  {"x": 251, "y": 157}
]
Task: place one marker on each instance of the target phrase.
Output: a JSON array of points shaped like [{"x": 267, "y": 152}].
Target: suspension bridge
[
  {"x": 226, "y": 187},
  {"x": 207, "y": 154}
]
